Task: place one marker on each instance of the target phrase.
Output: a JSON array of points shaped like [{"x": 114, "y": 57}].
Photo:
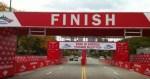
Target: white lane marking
[
  {"x": 105, "y": 67},
  {"x": 112, "y": 70},
  {"x": 48, "y": 73},
  {"x": 116, "y": 73}
]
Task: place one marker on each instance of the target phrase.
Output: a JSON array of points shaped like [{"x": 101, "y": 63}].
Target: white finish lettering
[
  {"x": 110, "y": 19},
  {"x": 96, "y": 19},
  {"x": 64, "y": 19},
  {"x": 54, "y": 18},
  {"x": 86, "y": 19},
  {"x": 75, "y": 19}
]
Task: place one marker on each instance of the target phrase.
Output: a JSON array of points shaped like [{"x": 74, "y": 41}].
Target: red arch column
[
  {"x": 83, "y": 60},
  {"x": 53, "y": 52},
  {"x": 122, "y": 52}
]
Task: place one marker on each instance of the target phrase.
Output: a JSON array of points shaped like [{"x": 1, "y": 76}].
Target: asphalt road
[{"x": 73, "y": 70}]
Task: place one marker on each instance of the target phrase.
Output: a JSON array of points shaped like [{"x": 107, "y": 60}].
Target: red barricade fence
[
  {"x": 11, "y": 64},
  {"x": 26, "y": 63},
  {"x": 7, "y": 52},
  {"x": 138, "y": 63}
]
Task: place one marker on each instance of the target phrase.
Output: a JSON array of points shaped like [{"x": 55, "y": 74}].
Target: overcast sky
[{"x": 81, "y": 5}]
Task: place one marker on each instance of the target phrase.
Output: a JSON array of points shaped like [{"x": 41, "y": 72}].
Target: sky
[{"x": 81, "y": 5}]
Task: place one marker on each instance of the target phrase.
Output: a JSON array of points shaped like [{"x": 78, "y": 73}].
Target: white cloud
[{"x": 81, "y": 5}]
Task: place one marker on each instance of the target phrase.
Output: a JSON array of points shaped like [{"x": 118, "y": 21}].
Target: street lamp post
[{"x": 10, "y": 8}]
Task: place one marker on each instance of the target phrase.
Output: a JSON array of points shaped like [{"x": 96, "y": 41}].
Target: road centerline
[{"x": 84, "y": 73}]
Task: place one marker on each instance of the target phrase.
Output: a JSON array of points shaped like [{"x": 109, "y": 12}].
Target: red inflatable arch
[{"x": 118, "y": 24}]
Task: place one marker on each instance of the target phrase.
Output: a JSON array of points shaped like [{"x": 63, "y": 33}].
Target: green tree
[
  {"x": 137, "y": 42},
  {"x": 33, "y": 45}
]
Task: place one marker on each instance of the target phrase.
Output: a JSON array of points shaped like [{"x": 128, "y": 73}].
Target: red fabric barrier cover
[
  {"x": 47, "y": 62},
  {"x": 147, "y": 71},
  {"x": 7, "y": 52},
  {"x": 22, "y": 67},
  {"x": 27, "y": 63},
  {"x": 143, "y": 68},
  {"x": 128, "y": 65},
  {"x": 33, "y": 65},
  {"x": 7, "y": 72},
  {"x": 138, "y": 67},
  {"x": 145, "y": 58},
  {"x": 121, "y": 53}
]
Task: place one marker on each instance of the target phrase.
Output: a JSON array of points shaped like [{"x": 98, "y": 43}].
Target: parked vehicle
[
  {"x": 101, "y": 57},
  {"x": 71, "y": 58},
  {"x": 76, "y": 58}
]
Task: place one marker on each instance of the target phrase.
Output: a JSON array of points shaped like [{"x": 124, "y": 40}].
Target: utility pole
[{"x": 10, "y": 7}]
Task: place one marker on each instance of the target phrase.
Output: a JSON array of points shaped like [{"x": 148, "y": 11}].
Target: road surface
[{"x": 73, "y": 70}]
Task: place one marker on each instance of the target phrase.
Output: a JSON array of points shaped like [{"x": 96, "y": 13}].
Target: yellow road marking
[{"x": 84, "y": 73}]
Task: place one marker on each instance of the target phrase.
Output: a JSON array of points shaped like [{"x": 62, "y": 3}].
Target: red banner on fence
[{"x": 7, "y": 52}]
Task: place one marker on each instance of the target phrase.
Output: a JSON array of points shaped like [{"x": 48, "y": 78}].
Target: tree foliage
[
  {"x": 4, "y": 7},
  {"x": 137, "y": 42},
  {"x": 33, "y": 45}
]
